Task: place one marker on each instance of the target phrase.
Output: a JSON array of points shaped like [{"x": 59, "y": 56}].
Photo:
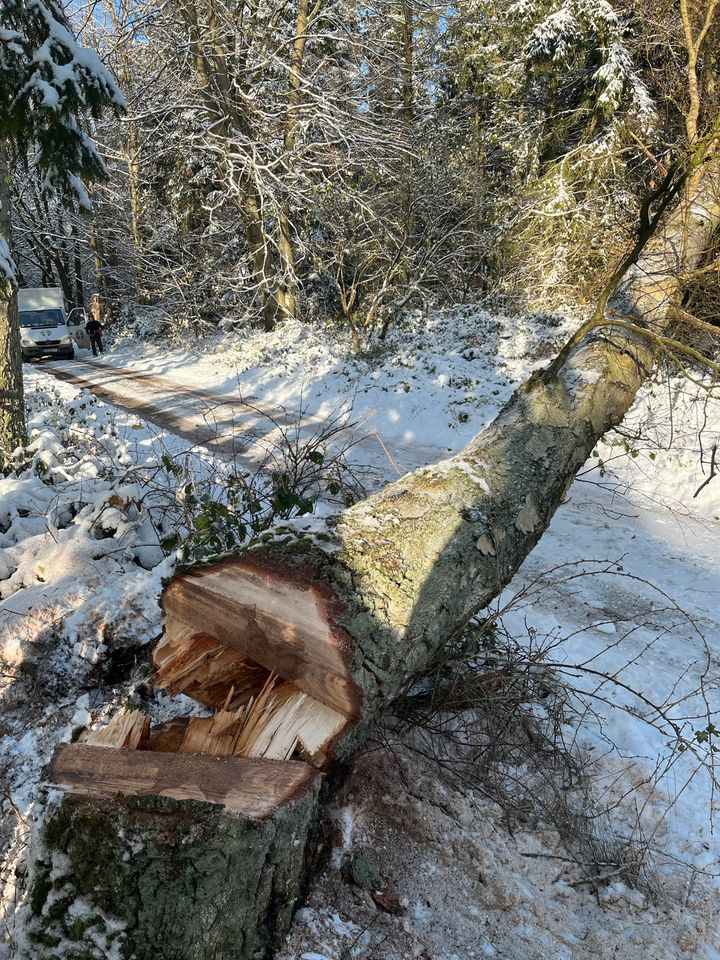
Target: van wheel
[{"x": 69, "y": 355}]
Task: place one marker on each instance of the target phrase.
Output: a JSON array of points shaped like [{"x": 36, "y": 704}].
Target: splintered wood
[
  {"x": 128, "y": 730},
  {"x": 275, "y": 680},
  {"x": 260, "y": 714},
  {"x": 279, "y": 722},
  {"x": 197, "y": 665}
]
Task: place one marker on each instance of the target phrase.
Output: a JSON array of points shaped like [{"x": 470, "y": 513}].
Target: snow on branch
[
  {"x": 7, "y": 266},
  {"x": 51, "y": 86},
  {"x": 575, "y": 30}
]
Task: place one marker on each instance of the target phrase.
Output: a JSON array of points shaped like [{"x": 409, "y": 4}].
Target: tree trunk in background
[
  {"x": 62, "y": 266},
  {"x": 210, "y": 56},
  {"x": 132, "y": 162},
  {"x": 96, "y": 246},
  {"x": 12, "y": 403},
  {"x": 264, "y": 270},
  {"x": 376, "y": 598},
  {"x": 408, "y": 43},
  {"x": 79, "y": 299},
  {"x": 292, "y": 121},
  {"x": 408, "y": 113},
  {"x": 41, "y": 242}
]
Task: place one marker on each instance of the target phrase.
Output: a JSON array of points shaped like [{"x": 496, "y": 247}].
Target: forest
[{"x": 359, "y": 427}]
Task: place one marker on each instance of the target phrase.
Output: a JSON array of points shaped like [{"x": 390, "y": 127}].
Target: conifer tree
[{"x": 50, "y": 87}]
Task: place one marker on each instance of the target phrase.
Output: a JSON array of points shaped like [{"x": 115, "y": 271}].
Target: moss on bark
[{"x": 157, "y": 879}]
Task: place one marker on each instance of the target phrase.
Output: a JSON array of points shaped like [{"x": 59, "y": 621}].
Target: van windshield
[{"x": 41, "y": 318}]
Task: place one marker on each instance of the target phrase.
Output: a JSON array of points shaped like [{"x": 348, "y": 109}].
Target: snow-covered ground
[
  {"x": 621, "y": 591},
  {"x": 428, "y": 389}
]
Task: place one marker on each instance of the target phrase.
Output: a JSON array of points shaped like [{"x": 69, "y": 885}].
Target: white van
[{"x": 43, "y": 325}]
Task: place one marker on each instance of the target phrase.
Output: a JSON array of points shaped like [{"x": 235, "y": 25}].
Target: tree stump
[{"x": 153, "y": 878}]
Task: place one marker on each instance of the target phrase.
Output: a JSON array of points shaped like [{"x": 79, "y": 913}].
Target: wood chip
[{"x": 127, "y": 730}]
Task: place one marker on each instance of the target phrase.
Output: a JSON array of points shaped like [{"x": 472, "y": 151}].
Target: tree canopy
[{"x": 50, "y": 86}]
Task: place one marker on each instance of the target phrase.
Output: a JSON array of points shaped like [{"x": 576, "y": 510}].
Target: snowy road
[
  {"x": 206, "y": 417},
  {"x": 226, "y": 424}
]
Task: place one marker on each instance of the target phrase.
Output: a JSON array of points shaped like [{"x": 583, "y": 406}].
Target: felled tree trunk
[{"x": 301, "y": 642}]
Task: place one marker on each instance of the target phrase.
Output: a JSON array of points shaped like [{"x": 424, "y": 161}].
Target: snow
[
  {"x": 54, "y": 84},
  {"x": 558, "y": 36},
  {"x": 428, "y": 389},
  {"x": 79, "y": 60},
  {"x": 7, "y": 264},
  {"x": 621, "y": 593}
]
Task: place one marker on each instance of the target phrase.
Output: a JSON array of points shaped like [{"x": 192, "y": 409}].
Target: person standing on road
[{"x": 94, "y": 327}]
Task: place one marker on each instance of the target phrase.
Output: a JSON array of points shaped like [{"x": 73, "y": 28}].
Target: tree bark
[
  {"x": 132, "y": 162},
  {"x": 167, "y": 880},
  {"x": 12, "y": 402},
  {"x": 98, "y": 252},
  {"x": 351, "y": 616},
  {"x": 286, "y": 245},
  {"x": 408, "y": 44},
  {"x": 79, "y": 298}
]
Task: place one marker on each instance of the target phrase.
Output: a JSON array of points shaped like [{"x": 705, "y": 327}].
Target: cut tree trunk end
[{"x": 300, "y": 644}]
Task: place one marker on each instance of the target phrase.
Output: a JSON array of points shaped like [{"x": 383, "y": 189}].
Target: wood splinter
[{"x": 281, "y": 707}]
